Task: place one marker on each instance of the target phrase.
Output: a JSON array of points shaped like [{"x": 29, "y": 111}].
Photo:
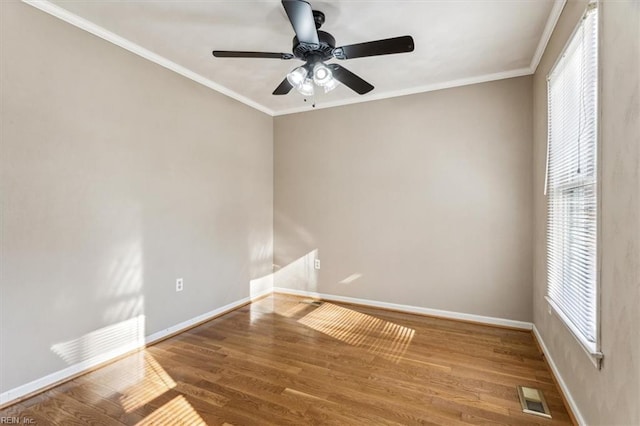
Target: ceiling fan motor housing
[
  {"x": 322, "y": 51},
  {"x": 318, "y": 18}
]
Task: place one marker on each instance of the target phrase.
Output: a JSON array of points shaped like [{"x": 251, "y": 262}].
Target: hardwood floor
[{"x": 282, "y": 361}]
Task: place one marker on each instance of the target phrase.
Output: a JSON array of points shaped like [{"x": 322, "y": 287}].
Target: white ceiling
[{"x": 456, "y": 42}]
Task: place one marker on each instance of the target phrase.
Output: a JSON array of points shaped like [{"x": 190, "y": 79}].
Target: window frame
[{"x": 592, "y": 349}]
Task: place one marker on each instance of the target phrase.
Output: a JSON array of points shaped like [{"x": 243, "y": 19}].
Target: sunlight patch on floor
[
  {"x": 379, "y": 337},
  {"x": 155, "y": 381},
  {"x": 286, "y": 307},
  {"x": 290, "y": 310},
  {"x": 178, "y": 411}
]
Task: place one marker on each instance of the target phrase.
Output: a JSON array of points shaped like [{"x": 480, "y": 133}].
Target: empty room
[{"x": 320, "y": 212}]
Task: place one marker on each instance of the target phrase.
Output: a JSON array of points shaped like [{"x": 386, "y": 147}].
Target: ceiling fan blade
[
  {"x": 301, "y": 18},
  {"x": 350, "y": 80},
  {"x": 284, "y": 88},
  {"x": 235, "y": 54},
  {"x": 374, "y": 48}
]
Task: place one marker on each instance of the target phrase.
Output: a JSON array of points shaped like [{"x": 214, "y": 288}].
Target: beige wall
[
  {"x": 421, "y": 200},
  {"x": 117, "y": 176},
  {"x": 610, "y": 396}
]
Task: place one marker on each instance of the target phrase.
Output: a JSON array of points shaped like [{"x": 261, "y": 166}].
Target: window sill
[{"x": 589, "y": 348}]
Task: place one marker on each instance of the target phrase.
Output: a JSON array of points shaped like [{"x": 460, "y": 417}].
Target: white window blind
[{"x": 572, "y": 184}]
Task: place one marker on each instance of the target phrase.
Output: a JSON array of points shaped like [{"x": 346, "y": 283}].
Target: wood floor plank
[
  {"x": 281, "y": 361},
  {"x": 111, "y": 409}
]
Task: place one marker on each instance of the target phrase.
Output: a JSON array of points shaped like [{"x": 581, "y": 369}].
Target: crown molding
[
  {"x": 413, "y": 90},
  {"x": 77, "y": 21},
  {"x": 556, "y": 11},
  {"x": 107, "y": 35}
]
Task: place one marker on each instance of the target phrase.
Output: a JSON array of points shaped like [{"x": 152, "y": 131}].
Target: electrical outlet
[
  {"x": 316, "y": 264},
  {"x": 179, "y": 284}
]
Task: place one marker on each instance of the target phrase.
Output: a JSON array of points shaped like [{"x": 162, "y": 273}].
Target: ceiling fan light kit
[
  {"x": 297, "y": 76},
  {"x": 314, "y": 47},
  {"x": 303, "y": 79},
  {"x": 321, "y": 74},
  {"x": 306, "y": 88},
  {"x": 332, "y": 84}
]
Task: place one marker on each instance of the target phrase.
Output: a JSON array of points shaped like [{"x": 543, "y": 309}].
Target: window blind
[{"x": 572, "y": 183}]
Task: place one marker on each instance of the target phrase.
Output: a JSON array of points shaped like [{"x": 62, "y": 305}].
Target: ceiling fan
[{"x": 314, "y": 47}]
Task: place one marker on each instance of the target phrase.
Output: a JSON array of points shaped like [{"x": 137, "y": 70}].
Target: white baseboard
[
  {"x": 64, "y": 374},
  {"x": 74, "y": 370},
  {"x": 150, "y": 339},
  {"x": 563, "y": 386},
  {"x": 523, "y": 325}
]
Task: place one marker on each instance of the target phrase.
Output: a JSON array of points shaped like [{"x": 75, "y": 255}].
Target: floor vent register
[{"x": 533, "y": 402}]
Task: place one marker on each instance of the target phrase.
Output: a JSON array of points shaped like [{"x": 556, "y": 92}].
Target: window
[{"x": 572, "y": 186}]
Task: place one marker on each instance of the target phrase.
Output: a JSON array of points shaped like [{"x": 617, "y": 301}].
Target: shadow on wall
[
  {"x": 293, "y": 240},
  {"x": 260, "y": 264},
  {"x": 351, "y": 278},
  {"x": 300, "y": 274},
  {"x": 119, "y": 299},
  {"x": 102, "y": 344},
  {"x": 125, "y": 313},
  {"x": 293, "y": 269}
]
